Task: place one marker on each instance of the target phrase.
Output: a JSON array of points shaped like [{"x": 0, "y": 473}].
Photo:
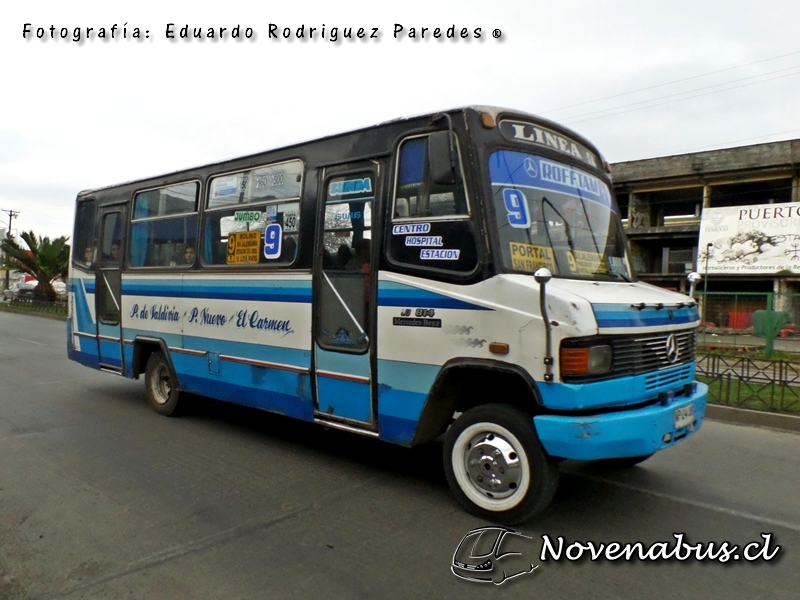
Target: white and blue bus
[{"x": 462, "y": 274}]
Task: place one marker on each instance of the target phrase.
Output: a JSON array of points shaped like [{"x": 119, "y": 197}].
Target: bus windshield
[{"x": 550, "y": 214}]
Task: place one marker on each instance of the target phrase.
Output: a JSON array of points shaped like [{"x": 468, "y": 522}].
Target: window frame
[
  {"x": 208, "y": 210},
  {"x": 395, "y": 187},
  {"x": 468, "y": 218},
  {"x": 169, "y": 217},
  {"x": 76, "y": 258}
]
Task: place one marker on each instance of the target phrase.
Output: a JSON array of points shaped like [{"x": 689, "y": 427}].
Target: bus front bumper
[{"x": 638, "y": 432}]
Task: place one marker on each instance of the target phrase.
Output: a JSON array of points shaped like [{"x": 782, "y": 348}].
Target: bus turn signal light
[{"x": 591, "y": 360}]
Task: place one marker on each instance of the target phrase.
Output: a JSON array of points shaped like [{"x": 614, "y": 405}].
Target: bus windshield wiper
[{"x": 570, "y": 243}]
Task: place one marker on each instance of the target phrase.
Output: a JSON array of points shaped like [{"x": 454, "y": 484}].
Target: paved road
[{"x": 102, "y": 498}]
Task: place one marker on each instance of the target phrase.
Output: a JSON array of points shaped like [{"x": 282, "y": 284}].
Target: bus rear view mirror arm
[{"x": 442, "y": 158}]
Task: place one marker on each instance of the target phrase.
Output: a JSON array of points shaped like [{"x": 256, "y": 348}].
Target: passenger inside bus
[
  {"x": 343, "y": 256},
  {"x": 188, "y": 254},
  {"x": 360, "y": 260},
  {"x": 116, "y": 252},
  {"x": 288, "y": 249}
]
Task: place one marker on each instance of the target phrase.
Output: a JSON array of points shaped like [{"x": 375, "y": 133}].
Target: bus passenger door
[
  {"x": 108, "y": 288},
  {"x": 344, "y": 308}
]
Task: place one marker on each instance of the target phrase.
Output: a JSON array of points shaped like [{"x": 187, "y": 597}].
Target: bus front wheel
[
  {"x": 161, "y": 386},
  {"x": 496, "y": 466}
]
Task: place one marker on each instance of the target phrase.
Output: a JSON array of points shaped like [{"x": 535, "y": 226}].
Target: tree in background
[{"x": 45, "y": 260}]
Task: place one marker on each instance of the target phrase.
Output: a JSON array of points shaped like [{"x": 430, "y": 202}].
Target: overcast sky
[{"x": 637, "y": 77}]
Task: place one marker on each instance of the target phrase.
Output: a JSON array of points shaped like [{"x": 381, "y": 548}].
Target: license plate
[{"x": 684, "y": 416}]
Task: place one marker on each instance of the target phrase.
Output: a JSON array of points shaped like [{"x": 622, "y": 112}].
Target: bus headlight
[{"x": 591, "y": 360}]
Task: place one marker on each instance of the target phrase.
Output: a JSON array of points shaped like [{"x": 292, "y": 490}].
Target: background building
[{"x": 712, "y": 211}]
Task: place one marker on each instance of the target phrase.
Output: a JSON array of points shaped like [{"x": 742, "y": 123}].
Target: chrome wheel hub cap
[{"x": 493, "y": 465}]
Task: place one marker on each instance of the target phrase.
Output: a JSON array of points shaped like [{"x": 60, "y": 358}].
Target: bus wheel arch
[
  {"x": 143, "y": 347},
  {"x": 161, "y": 384},
  {"x": 496, "y": 466},
  {"x": 151, "y": 357},
  {"x": 463, "y": 384}
]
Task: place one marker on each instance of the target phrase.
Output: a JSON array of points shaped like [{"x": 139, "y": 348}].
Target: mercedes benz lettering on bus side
[{"x": 463, "y": 274}]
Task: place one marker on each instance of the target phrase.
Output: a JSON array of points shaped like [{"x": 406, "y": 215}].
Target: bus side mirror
[{"x": 441, "y": 158}]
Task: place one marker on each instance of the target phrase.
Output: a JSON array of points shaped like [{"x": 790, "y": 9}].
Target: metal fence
[
  {"x": 750, "y": 320},
  {"x": 56, "y": 308},
  {"x": 742, "y": 382}
]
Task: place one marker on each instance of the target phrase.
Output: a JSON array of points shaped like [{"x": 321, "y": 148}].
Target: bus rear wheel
[
  {"x": 496, "y": 465},
  {"x": 161, "y": 385}
]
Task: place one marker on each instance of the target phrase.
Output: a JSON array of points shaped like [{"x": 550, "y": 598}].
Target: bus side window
[
  {"x": 164, "y": 226},
  {"x": 431, "y": 228},
  {"x": 84, "y": 249},
  {"x": 252, "y": 216},
  {"x": 416, "y": 194},
  {"x": 221, "y": 225}
]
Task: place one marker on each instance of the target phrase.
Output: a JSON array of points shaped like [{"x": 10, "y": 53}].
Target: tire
[
  {"x": 519, "y": 483},
  {"x": 161, "y": 385},
  {"x": 625, "y": 462}
]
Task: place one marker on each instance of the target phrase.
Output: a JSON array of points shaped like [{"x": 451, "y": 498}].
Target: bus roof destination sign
[{"x": 519, "y": 131}]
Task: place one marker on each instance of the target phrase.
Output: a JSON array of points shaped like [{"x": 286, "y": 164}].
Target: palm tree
[{"x": 44, "y": 259}]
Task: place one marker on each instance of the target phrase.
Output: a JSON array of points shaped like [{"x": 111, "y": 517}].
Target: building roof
[{"x": 764, "y": 158}]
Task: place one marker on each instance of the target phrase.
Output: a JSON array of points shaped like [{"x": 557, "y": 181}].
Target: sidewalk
[
  {"x": 745, "y": 340},
  {"x": 753, "y": 418}
]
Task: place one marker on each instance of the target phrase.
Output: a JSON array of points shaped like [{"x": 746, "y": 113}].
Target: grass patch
[{"x": 753, "y": 395}]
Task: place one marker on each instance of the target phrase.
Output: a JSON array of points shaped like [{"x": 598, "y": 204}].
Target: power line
[
  {"x": 758, "y": 137},
  {"x": 700, "y": 89},
  {"x": 569, "y": 121},
  {"x": 644, "y": 89}
]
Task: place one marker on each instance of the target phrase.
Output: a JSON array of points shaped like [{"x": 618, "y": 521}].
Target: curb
[
  {"x": 33, "y": 313},
  {"x": 742, "y": 416}
]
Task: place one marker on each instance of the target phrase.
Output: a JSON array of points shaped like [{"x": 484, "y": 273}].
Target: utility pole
[
  {"x": 11, "y": 214},
  {"x": 709, "y": 246}
]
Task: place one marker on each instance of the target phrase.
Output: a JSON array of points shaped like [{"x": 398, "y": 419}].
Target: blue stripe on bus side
[
  {"x": 389, "y": 293},
  {"x": 282, "y": 392},
  {"x": 349, "y": 399},
  {"x": 402, "y": 390},
  {"x": 615, "y": 315},
  {"x": 300, "y": 358},
  {"x": 170, "y": 339},
  {"x": 263, "y": 291},
  {"x": 398, "y": 294},
  {"x": 292, "y": 357},
  {"x": 81, "y": 306}
]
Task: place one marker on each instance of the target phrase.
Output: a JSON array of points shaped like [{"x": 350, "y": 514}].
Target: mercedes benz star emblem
[
  {"x": 671, "y": 347},
  {"x": 530, "y": 168}
]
